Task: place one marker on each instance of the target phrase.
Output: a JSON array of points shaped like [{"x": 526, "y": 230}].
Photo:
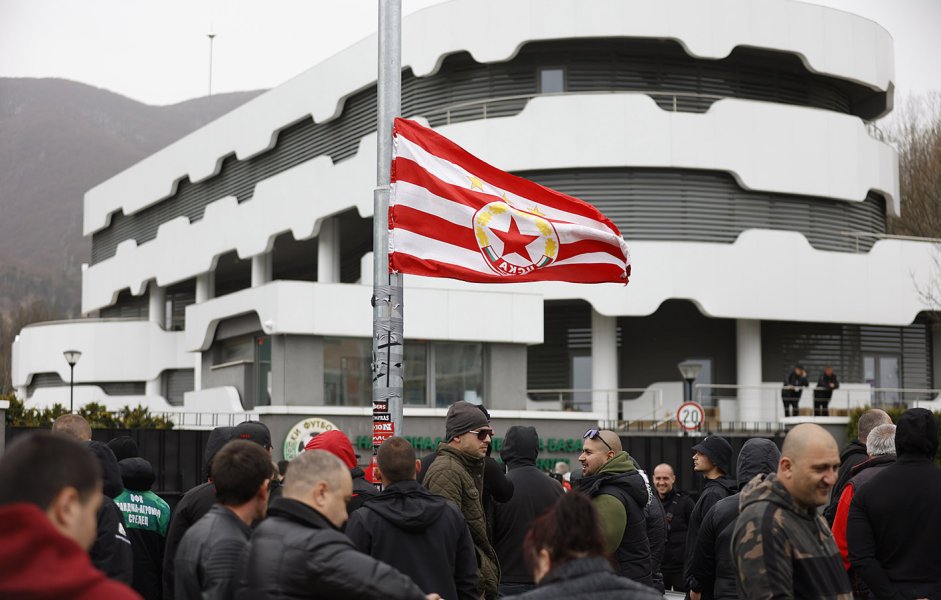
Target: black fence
[{"x": 176, "y": 454}]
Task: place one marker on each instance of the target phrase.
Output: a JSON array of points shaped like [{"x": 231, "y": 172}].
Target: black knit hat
[
  {"x": 917, "y": 433},
  {"x": 463, "y": 417},
  {"x": 718, "y": 450},
  {"x": 123, "y": 447}
]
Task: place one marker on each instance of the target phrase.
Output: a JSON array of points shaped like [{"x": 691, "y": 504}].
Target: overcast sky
[{"x": 157, "y": 51}]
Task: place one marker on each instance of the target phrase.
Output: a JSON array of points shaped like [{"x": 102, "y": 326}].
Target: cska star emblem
[{"x": 514, "y": 241}]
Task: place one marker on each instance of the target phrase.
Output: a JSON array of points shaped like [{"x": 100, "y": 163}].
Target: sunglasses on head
[
  {"x": 594, "y": 434},
  {"x": 482, "y": 434}
]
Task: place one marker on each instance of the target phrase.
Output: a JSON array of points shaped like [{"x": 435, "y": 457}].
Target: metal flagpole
[{"x": 387, "y": 346}]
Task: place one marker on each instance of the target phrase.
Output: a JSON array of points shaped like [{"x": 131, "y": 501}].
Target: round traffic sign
[{"x": 690, "y": 416}]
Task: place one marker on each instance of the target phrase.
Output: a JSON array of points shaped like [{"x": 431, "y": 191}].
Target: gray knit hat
[{"x": 463, "y": 417}]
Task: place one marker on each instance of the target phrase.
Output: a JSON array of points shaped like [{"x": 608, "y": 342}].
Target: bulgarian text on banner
[{"x": 453, "y": 215}]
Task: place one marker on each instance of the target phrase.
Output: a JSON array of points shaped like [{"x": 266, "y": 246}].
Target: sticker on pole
[{"x": 690, "y": 416}]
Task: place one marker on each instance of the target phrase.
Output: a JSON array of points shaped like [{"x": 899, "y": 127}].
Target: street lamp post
[
  {"x": 71, "y": 357},
  {"x": 690, "y": 371}
]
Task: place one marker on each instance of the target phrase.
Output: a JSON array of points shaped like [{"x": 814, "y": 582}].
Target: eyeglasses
[
  {"x": 594, "y": 434},
  {"x": 482, "y": 434}
]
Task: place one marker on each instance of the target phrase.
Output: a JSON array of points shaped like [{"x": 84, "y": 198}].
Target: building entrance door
[{"x": 882, "y": 371}]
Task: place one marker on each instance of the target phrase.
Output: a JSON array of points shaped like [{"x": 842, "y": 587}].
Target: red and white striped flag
[{"x": 453, "y": 215}]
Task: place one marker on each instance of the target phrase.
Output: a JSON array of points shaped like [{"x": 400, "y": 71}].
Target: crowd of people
[{"x": 78, "y": 518}]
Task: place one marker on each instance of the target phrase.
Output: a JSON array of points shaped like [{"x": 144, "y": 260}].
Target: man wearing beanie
[
  {"x": 457, "y": 474},
  {"x": 146, "y": 519},
  {"x": 336, "y": 443},
  {"x": 894, "y": 519},
  {"x": 713, "y": 458}
]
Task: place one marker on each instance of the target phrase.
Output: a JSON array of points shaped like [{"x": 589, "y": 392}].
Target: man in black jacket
[
  {"x": 713, "y": 567},
  {"x": 111, "y": 553},
  {"x": 205, "y": 562},
  {"x": 712, "y": 458},
  {"x": 851, "y": 455},
  {"x": 534, "y": 493},
  {"x": 422, "y": 535},
  {"x": 894, "y": 519},
  {"x": 300, "y": 552},
  {"x": 677, "y": 508}
]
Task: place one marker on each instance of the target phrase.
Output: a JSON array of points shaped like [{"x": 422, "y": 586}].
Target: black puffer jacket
[
  {"x": 422, "y": 535},
  {"x": 534, "y": 493},
  {"x": 588, "y": 577},
  {"x": 111, "y": 553},
  {"x": 713, "y": 491},
  {"x": 297, "y": 553},
  {"x": 713, "y": 567}
]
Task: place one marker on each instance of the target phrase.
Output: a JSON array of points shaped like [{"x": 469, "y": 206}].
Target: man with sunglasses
[
  {"x": 620, "y": 495},
  {"x": 457, "y": 474}
]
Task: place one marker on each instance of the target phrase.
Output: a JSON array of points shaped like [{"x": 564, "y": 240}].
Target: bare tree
[{"x": 10, "y": 325}]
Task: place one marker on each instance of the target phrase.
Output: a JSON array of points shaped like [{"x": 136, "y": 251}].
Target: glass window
[
  {"x": 347, "y": 377},
  {"x": 235, "y": 350},
  {"x": 458, "y": 373},
  {"x": 551, "y": 80},
  {"x": 263, "y": 371},
  {"x": 416, "y": 373}
]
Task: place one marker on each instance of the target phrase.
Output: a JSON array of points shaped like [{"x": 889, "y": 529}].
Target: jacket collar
[
  {"x": 471, "y": 463},
  {"x": 579, "y": 567},
  {"x": 297, "y": 511}
]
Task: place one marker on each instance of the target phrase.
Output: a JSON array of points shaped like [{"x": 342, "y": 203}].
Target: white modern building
[{"x": 729, "y": 140}]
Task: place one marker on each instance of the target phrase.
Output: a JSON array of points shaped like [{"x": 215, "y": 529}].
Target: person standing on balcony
[
  {"x": 791, "y": 393},
  {"x": 824, "y": 392}
]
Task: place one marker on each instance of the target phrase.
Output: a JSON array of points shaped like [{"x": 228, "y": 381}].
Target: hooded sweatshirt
[
  {"x": 421, "y": 535},
  {"x": 534, "y": 493},
  {"x": 784, "y": 550},
  {"x": 37, "y": 561},
  {"x": 619, "y": 494},
  {"x": 712, "y": 567},
  {"x": 894, "y": 519},
  {"x": 712, "y": 491},
  {"x": 146, "y": 519}
]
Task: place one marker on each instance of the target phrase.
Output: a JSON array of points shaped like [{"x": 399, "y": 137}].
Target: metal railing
[
  {"x": 202, "y": 420},
  {"x": 589, "y": 399}
]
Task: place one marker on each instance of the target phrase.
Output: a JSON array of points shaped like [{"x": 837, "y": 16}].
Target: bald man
[
  {"x": 620, "y": 494},
  {"x": 677, "y": 508},
  {"x": 781, "y": 547}
]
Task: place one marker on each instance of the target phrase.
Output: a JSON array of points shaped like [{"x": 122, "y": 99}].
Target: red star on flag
[{"x": 514, "y": 241}]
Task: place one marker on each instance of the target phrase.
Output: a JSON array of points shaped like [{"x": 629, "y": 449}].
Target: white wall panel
[
  {"x": 828, "y": 41},
  {"x": 767, "y": 147}
]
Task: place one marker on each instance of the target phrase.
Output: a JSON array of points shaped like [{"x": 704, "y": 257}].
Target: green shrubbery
[{"x": 97, "y": 416}]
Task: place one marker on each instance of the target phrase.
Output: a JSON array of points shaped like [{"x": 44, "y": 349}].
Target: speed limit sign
[{"x": 690, "y": 416}]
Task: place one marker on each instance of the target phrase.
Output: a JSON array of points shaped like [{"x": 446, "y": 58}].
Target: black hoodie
[
  {"x": 713, "y": 491},
  {"x": 534, "y": 493},
  {"x": 712, "y": 569},
  {"x": 891, "y": 531},
  {"x": 111, "y": 552},
  {"x": 421, "y": 535}
]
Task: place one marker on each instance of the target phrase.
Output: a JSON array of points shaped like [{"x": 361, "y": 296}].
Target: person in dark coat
[
  {"x": 335, "y": 442},
  {"x": 656, "y": 533},
  {"x": 146, "y": 518},
  {"x": 205, "y": 562},
  {"x": 677, "y": 508},
  {"x": 791, "y": 392},
  {"x": 894, "y": 519},
  {"x": 853, "y": 454},
  {"x": 422, "y": 535},
  {"x": 712, "y": 458},
  {"x": 299, "y": 550},
  {"x": 533, "y": 493},
  {"x": 123, "y": 447},
  {"x": 568, "y": 558},
  {"x": 824, "y": 392},
  {"x": 112, "y": 552},
  {"x": 713, "y": 567}
]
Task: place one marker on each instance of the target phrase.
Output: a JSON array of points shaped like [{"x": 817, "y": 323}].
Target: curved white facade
[
  {"x": 783, "y": 153},
  {"x": 828, "y": 41}
]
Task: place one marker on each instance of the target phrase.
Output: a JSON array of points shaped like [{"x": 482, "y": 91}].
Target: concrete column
[
  {"x": 328, "y": 251},
  {"x": 261, "y": 269},
  {"x": 205, "y": 289},
  {"x": 157, "y": 309},
  {"x": 604, "y": 365},
  {"x": 748, "y": 371}
]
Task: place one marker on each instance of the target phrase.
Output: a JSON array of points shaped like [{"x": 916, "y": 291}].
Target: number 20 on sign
[{"x": 690, "y": 416}]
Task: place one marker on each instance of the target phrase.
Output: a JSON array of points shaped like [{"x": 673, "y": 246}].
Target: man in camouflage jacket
[{"x": 781, "y": 547}]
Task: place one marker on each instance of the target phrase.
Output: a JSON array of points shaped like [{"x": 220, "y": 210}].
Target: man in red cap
[{"x": 336, "y": 443}]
